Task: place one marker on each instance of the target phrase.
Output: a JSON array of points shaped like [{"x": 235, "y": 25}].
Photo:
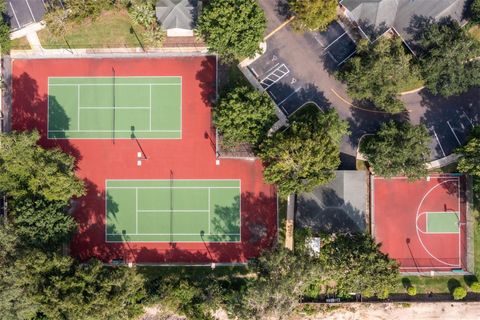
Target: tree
[
  {"x": 282, "y": 278},
  {"x": 56, "y": 21},
  {"x": 306, "y": 154},
  {"x": 41, "y": 223},
  {"x": 27, "y": 169},
  {"x": 356, "y": 264},
  {"x": 398, "y": 149},
  {"x": 232, "y": 28},
  {"x": 378, "y": 72},
  {"x": 243, "y": 115},
  {"x": 475, "y": 287},
  {"x": 459, "y": 293},
  {"x": 4, "y": 29},
  {"x": 143, "y": 14},
  {"x": 469, "y": 161},
  {"x": 56, "y": 287},
  {"x": 313, "y": 15},
  {"x": 412, "y": 291},
  {"x": 475, "y": 10},
  {"x": 81, "y": 9},
  {"x": 447, "y": 58}
]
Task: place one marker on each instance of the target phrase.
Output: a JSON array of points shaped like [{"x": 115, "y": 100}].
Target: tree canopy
[
  {"x": 307, "y": 153},
  {"x": 243, "y": 115},
  {"x": 469, "y": 161},
  {"x": 313, "y": 15},
  {"x": 232, "y": 28},
  {"x": 282, "y": 277},
  {"x": 447, "y": 55},
  {"x": 475, "y": 10},
  {"x": 398, "y": 149},
  {"x": 378, "y": 72},
  {"x": 356, "y": 264},
  {"x": 27, "y": 169}
]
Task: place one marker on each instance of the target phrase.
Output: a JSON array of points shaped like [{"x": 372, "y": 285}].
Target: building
[{"x": 178, "y": 17}]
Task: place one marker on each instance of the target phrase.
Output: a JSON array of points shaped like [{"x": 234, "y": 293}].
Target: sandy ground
[{"x": 389, "y": 311}]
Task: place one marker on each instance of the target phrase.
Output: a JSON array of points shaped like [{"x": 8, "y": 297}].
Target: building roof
[
  {"x": 339, "y": 206},
  {"x": 177, "y": 14},
  {"x": 374, "y": 17}
]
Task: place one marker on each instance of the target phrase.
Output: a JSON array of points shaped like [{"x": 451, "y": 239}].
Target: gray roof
[
  {"x": 375, "y": 17},
  {"x": 339, "y": 206},
  {"x": 180, "y": 14}
]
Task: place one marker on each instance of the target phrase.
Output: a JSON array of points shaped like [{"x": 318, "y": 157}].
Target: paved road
[{"x": 295, "y": 69}]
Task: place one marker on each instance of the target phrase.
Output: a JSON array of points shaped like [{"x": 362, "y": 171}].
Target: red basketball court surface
[
  {"x": 421, "y": 224},
  {"x": 185, "y": 160}
]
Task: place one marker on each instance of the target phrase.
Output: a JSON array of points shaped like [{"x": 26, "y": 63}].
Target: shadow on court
[
  {"x": 29, "y": 112},
  {"x": 206, "y": 78}
]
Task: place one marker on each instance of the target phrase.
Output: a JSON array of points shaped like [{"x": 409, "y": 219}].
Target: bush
[
  {"x": 383, "y": 295},
  {"x": 459, "y": 293},
  {"x": 412, "y": 291},
  {"x": 475, "y": 287},
  {"x": 81, "y": 9},
  {"x": 475, "y": 10}
]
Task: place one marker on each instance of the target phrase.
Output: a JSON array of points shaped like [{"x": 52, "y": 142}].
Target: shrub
[
  {"x": 475, "y": 10},
  {"x": 383, "y": 295},
  {"x": 412, "y": 291},
  {"x": 459, "y": 293},
  {"x": 475, "y": 287}
]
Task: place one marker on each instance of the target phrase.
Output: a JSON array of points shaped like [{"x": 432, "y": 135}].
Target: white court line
[
  {"x": 15, "y": 15},
  {"x": 168, "y": 211},
  {"x": 174, "y": 187},
  {"x": 209, "y": 209},
  {"x": 438, "y": 141},
  {"x": 30, "y": 9},
  {"x": 451, "y": 129},
  {"x": 129, "y": 108},
  {"x": 331, "y": 43},
  {"x": 170, "y": 234},
  {"x": 427, "y": 213},
  {"x": 78, "y": 108},
  {"x": 150, "y": 116},
  {"x": 136, "y": 210},
  {"x": 111, "y": 84},
  {"x": 102, "y": 131}
]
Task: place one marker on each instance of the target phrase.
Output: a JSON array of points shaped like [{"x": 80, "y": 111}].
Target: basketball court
[{"x": 422, "y": 224}]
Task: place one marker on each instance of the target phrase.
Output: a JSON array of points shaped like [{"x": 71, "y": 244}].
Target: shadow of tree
[
  {"x": 452, "y": 284},
  {"x": 226, "y": 220},
  {"x": 283, "y": 9},
  {"x": 324, "y": 211},
  {"x": 207, "y": 82}
]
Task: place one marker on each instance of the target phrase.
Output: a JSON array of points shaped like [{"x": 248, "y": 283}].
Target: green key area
[
  {"x": 115, "y": 107},
  {"x": 173, "y": 210},
  {"x": 443, "y": 222}
]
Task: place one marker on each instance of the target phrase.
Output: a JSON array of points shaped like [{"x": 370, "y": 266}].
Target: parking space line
[
  {"x": 276, "y": 65},
  {"x": 273, "y": 77},
  {"x": 351, "y": 54},
  {"x": 15, "y": 15},
  {"x": 331, "y": 56},
  {"x": 334, "y": 41},
  {"x": 451, "y": 129},
  {"x": 438, "y": 141},
  {"x": 30, "y": 9},
  {"x": 291, "y": 94},
  {"x": 468, "y": 118}
]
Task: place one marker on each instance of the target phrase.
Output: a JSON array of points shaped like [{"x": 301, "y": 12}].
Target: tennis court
[
  {"x": 115, "y": 107},
  {"x": 173, "y": 210}
]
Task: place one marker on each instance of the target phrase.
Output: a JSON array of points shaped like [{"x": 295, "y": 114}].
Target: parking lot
[
  {"x": 449, "y": 134},
  {"x": 290, "y": 84},
  {"x": 24, "y": 12}
]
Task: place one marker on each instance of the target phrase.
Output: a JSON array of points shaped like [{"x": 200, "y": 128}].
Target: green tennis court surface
[
  {"x": 173, "y": 210},
  {"x": 115, "y": 107},
  {"x": 443, "y": 222}
]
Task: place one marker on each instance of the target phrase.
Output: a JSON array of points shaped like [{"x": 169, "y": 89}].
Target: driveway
[{"x": 298, "y": 67}]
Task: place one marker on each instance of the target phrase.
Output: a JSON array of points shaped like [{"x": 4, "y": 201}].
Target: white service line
[{"x": 454, "y": 134}]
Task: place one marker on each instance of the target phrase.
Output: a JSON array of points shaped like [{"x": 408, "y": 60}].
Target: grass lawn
[
  {"x": 475, "y": 31},
  {"x": 112, "y": 29},
  {"x": 20, "y": 44},
  {"x": 437, "y": 284},
  {"x": 412, "y": 85}
]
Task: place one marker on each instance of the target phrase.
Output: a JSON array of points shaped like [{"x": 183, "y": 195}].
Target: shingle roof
[
  {"x": 180, "y": 14},
  {"x": 375, "y": 17}
]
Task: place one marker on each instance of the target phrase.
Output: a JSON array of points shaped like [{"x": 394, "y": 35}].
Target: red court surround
[
  {"x": 192, "y": 157},
  {"x": 399, "y": 219}
]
